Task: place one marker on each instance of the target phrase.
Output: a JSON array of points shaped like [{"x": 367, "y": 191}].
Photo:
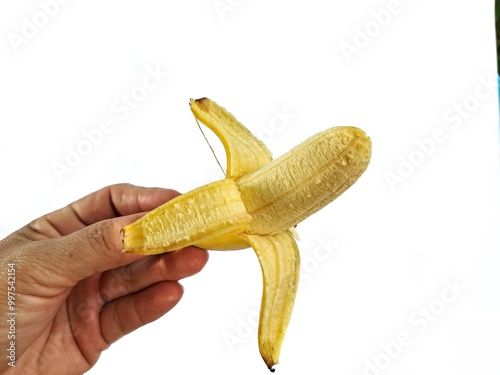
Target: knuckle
[{"x": 100, "y": 236}]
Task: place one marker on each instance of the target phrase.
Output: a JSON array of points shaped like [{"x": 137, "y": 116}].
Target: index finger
[{"x": 109, "y": 202}]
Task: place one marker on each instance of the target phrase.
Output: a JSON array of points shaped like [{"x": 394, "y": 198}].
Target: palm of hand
[{"x": 76, "y": 293}]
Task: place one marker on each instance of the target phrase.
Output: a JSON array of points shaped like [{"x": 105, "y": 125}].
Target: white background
[{"x": 395, "y": 249}]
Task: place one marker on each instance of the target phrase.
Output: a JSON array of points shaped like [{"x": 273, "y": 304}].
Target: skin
[{"x": 76, "y": 292}]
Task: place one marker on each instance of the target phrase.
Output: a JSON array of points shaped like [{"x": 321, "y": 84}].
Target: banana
[{"x": 257, "y": 205}]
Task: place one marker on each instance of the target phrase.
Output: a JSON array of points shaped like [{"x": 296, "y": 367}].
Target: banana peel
[{"x": 257, "y": 205}]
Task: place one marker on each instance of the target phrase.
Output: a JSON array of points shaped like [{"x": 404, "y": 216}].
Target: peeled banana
[{"x": 258, "y": 204}]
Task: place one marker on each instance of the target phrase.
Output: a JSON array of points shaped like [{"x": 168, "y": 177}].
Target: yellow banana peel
[{"x": 258, "y": 204}]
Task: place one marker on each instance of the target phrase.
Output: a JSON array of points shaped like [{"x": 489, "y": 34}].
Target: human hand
[{"x": 75, "y": 291}]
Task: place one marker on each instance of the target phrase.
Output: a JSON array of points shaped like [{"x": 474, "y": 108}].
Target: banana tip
[{"x": 200, "y": 100}]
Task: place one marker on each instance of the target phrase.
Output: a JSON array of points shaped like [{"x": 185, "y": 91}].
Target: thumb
[{"x": 95, "y": 248}]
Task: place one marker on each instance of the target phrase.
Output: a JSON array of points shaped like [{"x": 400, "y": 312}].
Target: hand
[{"x": 75, "y": 291}]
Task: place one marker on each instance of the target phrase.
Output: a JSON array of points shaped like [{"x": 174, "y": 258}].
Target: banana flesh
[
  {"x": 179, "y": 224},
  {"x": 258, "y": 204},
  {"x": 304, "y": 180}
]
